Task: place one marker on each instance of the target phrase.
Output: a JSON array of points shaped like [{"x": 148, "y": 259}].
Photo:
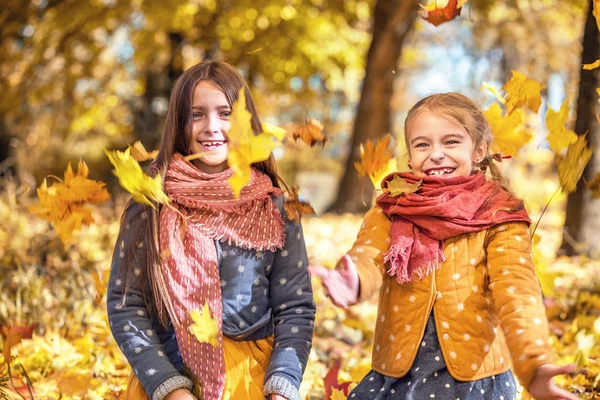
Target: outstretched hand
[
  {"x": 341, "y": 284},
  {"x": 542, "y": 387}
]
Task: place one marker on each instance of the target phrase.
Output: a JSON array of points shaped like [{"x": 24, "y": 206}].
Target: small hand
[
  {"x": 542, "y": 387},
  {"x": 180, "y": 394},
  {"x": 342, "y": 283}
]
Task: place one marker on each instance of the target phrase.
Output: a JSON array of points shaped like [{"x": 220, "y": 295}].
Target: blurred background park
[{"x": 81, "y": 76}]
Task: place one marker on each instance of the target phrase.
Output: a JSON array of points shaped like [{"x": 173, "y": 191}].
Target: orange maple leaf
[
  {"x": 311, "y": 133},
  {"x": 295, "y": 208},
  {"x": 376, "y": 160},
  {"x": 139, "y": 152},
  {"x": 63, "y": 202},
  {"x": 437, "y": 16}
]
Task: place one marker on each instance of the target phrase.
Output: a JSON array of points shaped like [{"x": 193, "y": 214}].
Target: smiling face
[
  {"x": 210, "y": 125},
  {"x": 440, "y": 146}
]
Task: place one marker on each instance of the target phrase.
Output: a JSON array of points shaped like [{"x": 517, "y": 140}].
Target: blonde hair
[{"x": 465, "y": 112}]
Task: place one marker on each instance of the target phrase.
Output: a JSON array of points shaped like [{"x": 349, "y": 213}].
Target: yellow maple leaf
[
  {"x": 139, "y": 152},
  {"x": 591, "y": 66},
  {"x": 337, "y": 394},
  {"x": 398, "y": 186},
  {"x": 376, "y": 160},
  {"x": 274, "y": 130},
  {"x": 509, "y": 133},
  {"x": 594, "y": 186},
  {"x": 521, "y": 91},
  {"x": 245, "y": 147},
  {"x": 596, "y": 12},
  {"x": 143, "y": 188},
  {"x": 494, "y": 91},
  {"x": 559, "y": 137},
  {"x": 571, "y": 165},
  {"x": 204, "y": 328},
  {"x": 63, "y": 202}
]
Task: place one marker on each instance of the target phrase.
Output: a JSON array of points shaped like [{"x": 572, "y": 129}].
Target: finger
[
  {"x": 558, "y": 393},
  {"x": 318, "y": 271},
  {"x": 554, "y": 370}
]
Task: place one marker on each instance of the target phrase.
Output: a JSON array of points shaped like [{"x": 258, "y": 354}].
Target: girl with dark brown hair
[{"x": 242, "y": 257}]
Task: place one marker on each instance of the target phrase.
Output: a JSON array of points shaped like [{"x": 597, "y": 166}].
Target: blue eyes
[
  {"x": 447, "y": 143},
  {"x": 224, "y": 114}
]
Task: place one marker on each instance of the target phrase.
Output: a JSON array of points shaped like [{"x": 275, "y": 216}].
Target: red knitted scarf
[
  {"x": 440, "y": 209},
  {"x": 190, "y": 263}
]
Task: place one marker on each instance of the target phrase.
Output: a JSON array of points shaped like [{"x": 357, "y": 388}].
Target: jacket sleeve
[
  {"x": 372, "y": 241},
  {"x": 150, "y": 349},
  {"x": 517, "y": 298},
  {"x": 294, "y": 313}
]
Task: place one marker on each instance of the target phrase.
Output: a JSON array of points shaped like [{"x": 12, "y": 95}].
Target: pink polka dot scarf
[{"x": 203, "y": 209}]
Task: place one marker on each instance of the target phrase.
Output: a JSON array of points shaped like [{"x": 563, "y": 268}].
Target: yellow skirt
[{"x": 246, "y": 364}]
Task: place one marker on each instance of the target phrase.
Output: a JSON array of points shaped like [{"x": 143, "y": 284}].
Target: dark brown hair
[{"x": 177, "y": 138}]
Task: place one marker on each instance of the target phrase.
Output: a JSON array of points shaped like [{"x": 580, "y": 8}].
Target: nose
[
  {"x": 437, "y": 153},
  {"x": 213, "y": 124}
]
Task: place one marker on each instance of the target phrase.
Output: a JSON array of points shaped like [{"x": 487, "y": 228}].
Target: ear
[{"x": 479, "y": 152}]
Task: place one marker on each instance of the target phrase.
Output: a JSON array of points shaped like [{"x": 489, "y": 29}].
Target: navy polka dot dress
[{"x": 429, "y": 378}]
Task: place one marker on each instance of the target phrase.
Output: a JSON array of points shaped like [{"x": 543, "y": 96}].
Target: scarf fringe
[{"x": 397, "y": 258}]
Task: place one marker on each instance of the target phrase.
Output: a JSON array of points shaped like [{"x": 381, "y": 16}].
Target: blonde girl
[{"x": 458, "y": 295}]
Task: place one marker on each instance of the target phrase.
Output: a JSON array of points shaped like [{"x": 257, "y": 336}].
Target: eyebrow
[
  {"x": 222, "y": 107},
  {"x": 458, "y": 135}
]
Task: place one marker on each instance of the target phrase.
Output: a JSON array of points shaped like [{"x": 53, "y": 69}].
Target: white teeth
[{"x": 443, "y": 171}]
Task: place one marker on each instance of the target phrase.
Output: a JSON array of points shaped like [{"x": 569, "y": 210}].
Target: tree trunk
[
  {"x": 148, "y": 124},
  {"x": 392, "y": 21},
  {"x": 582, "y": 223}
]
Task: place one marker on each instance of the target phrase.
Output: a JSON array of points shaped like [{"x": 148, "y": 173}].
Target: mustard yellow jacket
[{"x": 485, "y": 297}]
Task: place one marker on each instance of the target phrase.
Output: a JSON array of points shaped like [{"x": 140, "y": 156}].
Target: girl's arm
[
  {"x": 294, "y": 313},
  {"x": 358, "y": 275},
  {"x": 517, "y": 298},
  {"x": 151, "y": 351}
]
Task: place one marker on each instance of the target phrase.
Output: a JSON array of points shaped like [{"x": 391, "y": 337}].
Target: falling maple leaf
[
  {"x": 139, "y": 152},
  {"x": 246, "y": 147},
  {"x": 63, "y": 202},
  {"x": 376, "y": 160},
  {"x": 295, "y": 208},
  {"x": 494, "y": 91},
  {"x": 311, "y": 133},
  {"x": 522, "y": 91},
  {"x": 438, "y": 15},
  {"x": 592, "y": 66},
  {"x": 398, "y": 186},
  {"x": 204, "y": 328},
  {"x": 330, "y": 382},
  {"x": 571, "y": 165},
  {"x": 275, "y": 131},
  {"x": 594, "y": 186},
  {"x": 559, "y": 137},
  {"x": 143, "y": 188},
  {"x": 508, "y": 131}
]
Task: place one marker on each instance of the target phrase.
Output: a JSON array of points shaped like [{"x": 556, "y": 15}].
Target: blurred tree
[
  {"x": 582, "y": 224},
  {"x": 392, "y": 22},
  {"x": 83, "y": 76}
]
